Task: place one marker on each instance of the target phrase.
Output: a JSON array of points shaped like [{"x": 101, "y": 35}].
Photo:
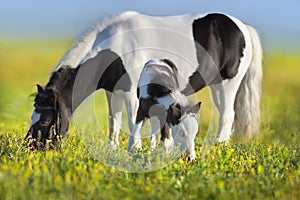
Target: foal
[{"x": 162, "y": 102}]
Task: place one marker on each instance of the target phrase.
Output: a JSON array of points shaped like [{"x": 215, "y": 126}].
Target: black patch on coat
[
  {"x": 224, "y": 42},
  {"x": 144, "y": 106},
  {"x": 108, "y": 68},
  {"x": 115, "y": 76},
  {"x": 143, "y": 112},
  {"x": 104, "y": 71},
  {"x": 157, "y": 90}
]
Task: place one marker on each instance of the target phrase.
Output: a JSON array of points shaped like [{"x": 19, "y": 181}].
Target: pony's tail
[{"x": 247, "y": 101}]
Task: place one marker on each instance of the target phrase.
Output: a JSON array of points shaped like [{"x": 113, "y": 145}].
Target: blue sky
[{"x": 277, "y": 21}]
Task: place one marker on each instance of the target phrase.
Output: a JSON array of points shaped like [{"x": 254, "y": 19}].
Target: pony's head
[
  {"x": 184, "y": 126},
  {"x": 45, "y": 118}
]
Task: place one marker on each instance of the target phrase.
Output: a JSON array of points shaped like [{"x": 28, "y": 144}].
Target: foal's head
[
  {"x": 184, "y": 125},
  {"x": 45, "y": 119}
]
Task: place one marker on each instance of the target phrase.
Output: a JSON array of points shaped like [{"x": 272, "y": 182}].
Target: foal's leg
[
  {"x": 155, "y": 126},
  {"x": 115, "y": 103},
  {"x": 158, "y": 119},
  {"x": 165, "y": 133},
  {"x": 166, "y": 137}
]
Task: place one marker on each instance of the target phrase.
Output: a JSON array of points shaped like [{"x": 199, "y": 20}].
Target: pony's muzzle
[
  {"x": 188, "y": 155},
  {"x": 40, "y": 140}
]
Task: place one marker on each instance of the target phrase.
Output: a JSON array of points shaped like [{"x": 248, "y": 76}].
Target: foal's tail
[{"x": 247, "y": 101}]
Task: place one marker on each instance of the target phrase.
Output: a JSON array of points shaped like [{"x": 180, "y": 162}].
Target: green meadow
[{"x": 265, "y": 167}]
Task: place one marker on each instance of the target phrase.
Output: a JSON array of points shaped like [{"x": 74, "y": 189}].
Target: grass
[{"x": 267, "y": 167}]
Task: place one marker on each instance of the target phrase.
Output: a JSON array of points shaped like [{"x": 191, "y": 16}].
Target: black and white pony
[
  {"x": 162, "y": 102},
  {"x": 214, "y": 50}
]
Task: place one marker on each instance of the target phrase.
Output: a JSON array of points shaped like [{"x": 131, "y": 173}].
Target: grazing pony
[
  {"x": 160, "y": 99},
  {"x": 214, "y": 50}
]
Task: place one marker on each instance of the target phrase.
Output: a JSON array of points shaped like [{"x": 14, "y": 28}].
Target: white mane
[{"x": 84, "y": 44}]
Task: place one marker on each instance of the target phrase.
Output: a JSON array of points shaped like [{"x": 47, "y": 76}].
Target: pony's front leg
[
  {"x": 132, "y": 104},
  {"x": 135, "y": 137},
  {"x": 135, "y": 141},
  {"x": 115, "y": 103}
]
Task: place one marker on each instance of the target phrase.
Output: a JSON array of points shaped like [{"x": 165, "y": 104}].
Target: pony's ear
[
  {"x": 174, "y": 113},
  {"x": 39, "y": 88},
  {"x": 195, "y": 108}
]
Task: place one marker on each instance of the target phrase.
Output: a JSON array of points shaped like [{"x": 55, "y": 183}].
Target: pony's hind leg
[
  {"x": 224, "y": 97},
  {"x": 115, "y": 103}
]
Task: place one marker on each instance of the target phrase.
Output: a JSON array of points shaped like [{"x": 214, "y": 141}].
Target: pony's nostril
[{"x": 189, "y": 158}]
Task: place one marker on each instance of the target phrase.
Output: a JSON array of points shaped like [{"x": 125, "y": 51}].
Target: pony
[
  {"x": 160, "y": 98},
  {"x": 212, "y": 49}
]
